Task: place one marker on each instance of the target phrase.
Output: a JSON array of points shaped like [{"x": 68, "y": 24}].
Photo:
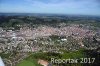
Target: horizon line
[{"x": 48, "y": 13}]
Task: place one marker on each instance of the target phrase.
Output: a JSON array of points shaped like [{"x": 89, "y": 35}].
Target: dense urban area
[{"x": 34, "y": 39}]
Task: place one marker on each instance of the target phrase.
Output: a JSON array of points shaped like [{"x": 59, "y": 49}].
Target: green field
[
  {"x": 74, "y": 54},
  {"x": 26, "y": 63},
  {"x": 29, "y": 61}
]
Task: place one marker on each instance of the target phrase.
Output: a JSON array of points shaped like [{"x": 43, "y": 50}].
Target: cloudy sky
[{"x": 84, "y": 7}]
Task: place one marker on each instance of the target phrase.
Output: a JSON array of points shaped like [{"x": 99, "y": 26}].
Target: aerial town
[{"x": 44, "y": 37}]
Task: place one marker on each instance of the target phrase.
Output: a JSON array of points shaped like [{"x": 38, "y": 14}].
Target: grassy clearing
[{"x": 26, "y": 63}]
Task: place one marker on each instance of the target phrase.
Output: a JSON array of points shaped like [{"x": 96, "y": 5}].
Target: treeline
[{"x": 13, "y": 21}]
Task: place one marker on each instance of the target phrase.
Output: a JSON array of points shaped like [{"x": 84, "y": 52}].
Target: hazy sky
[{"x": 85, "y": 7}]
